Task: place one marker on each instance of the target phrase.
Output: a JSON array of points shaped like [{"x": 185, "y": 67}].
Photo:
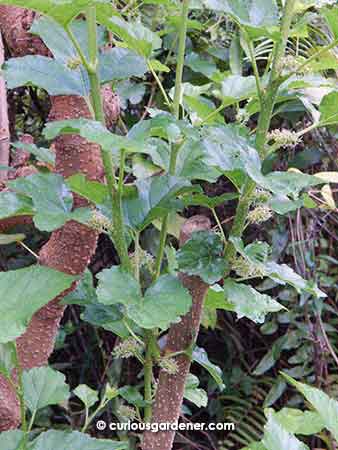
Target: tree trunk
[
  {"x": 170, "y": 390},
  {"x": 69, "y": 248},
  {"x": 4, "y": 131}
]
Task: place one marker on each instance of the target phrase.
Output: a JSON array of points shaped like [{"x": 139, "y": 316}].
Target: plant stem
[
  {"x": 160, "y": 85},
  {"x": 20, "y": 394},
  {"x": 176, "y": 110},
  {"x": 274, "y": 82},
  {"x": 311, "y": 59},
  {"x": 151, "y": 336},
  {"x": 115, "y": 192},
  {"x": 180, "y": 57},
  {"x": 212, "y": 114},
  {"x": 268, "y": 103},
  {"x": 77, "y": 47},
  {"x": 29, "y": 250},
  {"x": 218, "y": 224},
  {"x": 148, "y": 376},
  {"x": 255, "y": 68},
  {"x": 31, "y": 422}
]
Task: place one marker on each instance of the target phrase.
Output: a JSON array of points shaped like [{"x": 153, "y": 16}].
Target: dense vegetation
[{"x": 167, "y": 223}]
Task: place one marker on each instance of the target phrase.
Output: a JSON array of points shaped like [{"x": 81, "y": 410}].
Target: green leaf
[
  {"x": 285, "y": 183},
  {"x": 191, "y": 163},
  {"x": 201, "y": 357},
  {"x": 247, "y": 302},
  {"x": 25, "y": 291},
  {"x": 257, "y": 252},
  {"x": 117, "y": 286},
  {"x": 108, "y": 317},
  {"x": 162, "y": 303},
  {"x": 12, "y": 204},
  {"x": 331, "y": 15},
  {"x": 41, "y": 154},
  {"x": 326, "y": 407},
  {"x": 283, "y": 274},
  {"x": 156, "y": 65},
  {"x": 209, "y": 202},
  {"x": 236, "y": 88},
  {"x": 271, "y": 356},
  {"x": 57, "y": 40},
  {"x": 201, "y": 64},
  {"x": 252, "y": 13},
  {"x": 66, "y": 440},
  {"x": 44, "y": 386},
  {"x": 52, "y": 200},
  {"x": 87, "y": 395},
  {"x": 214, "y": 298},
  {"x": 131, "y": 92},
  {"x": 132, "y": 395},
  {"x": 202, "y": 255},
  {"x": 228, "y": 148},
  {"x": 46, "y": 73},
  {"x": 134, "y": 35},
  {"x": 194, "y": 394},
  {"x": 7, "y": 359},
  {"x": 84, "y": 293},
  {"x": 94, "y": 132},
  {"x": 63, "y": 11},
  {"x": 10, "y": 238},
  {"x": 119, "y": 64},
  {"x": 277, "y": 390},
  {"x": 93, "y": 191},
  {"x": 328, "y": 109},
  {"x": 276, "y": 437},
  {"x": 153, "y": 198},
  {"x": 299, "y": 422},
  {"x": 11, "y": 440}
]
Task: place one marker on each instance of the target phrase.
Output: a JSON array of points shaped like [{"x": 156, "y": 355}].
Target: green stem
[
  {"x": 180, "y": 57},
  {"x": 31, "y": 422},
  {"x": 160, "y": 85},
  {"x": 212, "y": 114},
  {"x": 148, "y": 376},
  {"x": 255, "y": 68},
  {"x": 274, "y": 82},
  {"x": 151, "y": 337},
  {"x": 96, "y": 98},
  {"x": 312, "y": 58},
  {"x": 77, "y": 47},
  {"x": 161, "y": 248},
  {"x": 20, "y": 394},
  {"x": 268, "y": 103},
  {"x": 218, "y": 224},
  {"x": 85, "y": 426},
  {"x": 176, "y": 110}
]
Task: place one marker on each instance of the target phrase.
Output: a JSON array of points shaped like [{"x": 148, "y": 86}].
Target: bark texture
[
  {"x": 69, "y": 248},
  {"x": 170, "y": 390},
  {"x": 4, "y": 129}
]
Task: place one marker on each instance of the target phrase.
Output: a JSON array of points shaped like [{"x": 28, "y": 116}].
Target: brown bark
[
  {"x": 4, "y": 129},
  {"x": 69, "y": 248},
  {"x": 170, "y": 390},
  {"x": 15, "y": 24}
]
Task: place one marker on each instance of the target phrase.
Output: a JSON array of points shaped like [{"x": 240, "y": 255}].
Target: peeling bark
[{"x": 170, "y": 390}]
